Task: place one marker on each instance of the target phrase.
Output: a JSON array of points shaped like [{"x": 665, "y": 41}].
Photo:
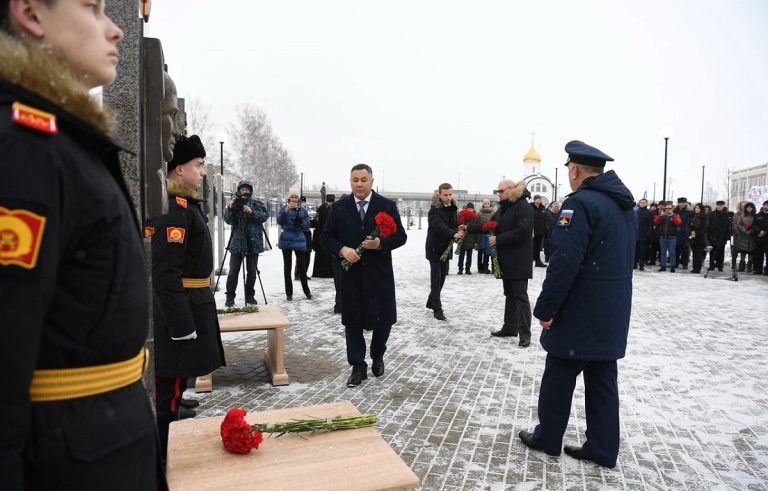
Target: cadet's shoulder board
[
  {"x": 182, "y": 202},
  {"x": 565, "y": 218},
  {"x": 175, "y": 234},
  {"x": 34, "y": 118},
  {"x": 21, "y": 233}
]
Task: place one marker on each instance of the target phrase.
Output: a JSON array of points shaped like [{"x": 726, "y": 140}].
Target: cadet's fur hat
[
  {"x": 330, "y": 198},
  {"x": 185, "y": 150},
  {"x": 682, "y": 200}
]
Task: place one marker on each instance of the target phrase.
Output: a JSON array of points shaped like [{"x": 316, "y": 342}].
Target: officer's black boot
[{"x": 230, "y": 301}]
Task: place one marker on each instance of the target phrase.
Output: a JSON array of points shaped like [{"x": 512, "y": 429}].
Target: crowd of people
[{"x": 674, "y": 235}]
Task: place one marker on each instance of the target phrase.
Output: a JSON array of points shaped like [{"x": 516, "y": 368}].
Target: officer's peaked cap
[{"x": 581, "y": 153}]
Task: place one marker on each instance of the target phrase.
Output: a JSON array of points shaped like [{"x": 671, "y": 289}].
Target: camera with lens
[{"x": 240, "y": 201}]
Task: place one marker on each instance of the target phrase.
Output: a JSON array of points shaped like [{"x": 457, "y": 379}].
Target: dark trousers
[
  {"x": 653, "y": 250},
  {"x": 287, "y": 271},
  {"x": 517, "y": 308},
  {"x": 545, "y": 245},
  {"x": 537, "y": 240},
  {"x": 698, "y": 256},
  {"x": 438, "y": 270},
  {"x": 760, "y": 256},
  {"x": 468, "y": 254},
  {"x": 356, "y": 345},
  {"x": 235, "y": 261},
  {"x": 169, "y": 392},
  {"x": 640, "y": 246},
  {"x": 482, "y": 261},
  {"x": 601, "y": 393},
  {"x": 682, "y": 252},
  {"x": 717, "y": 256}
]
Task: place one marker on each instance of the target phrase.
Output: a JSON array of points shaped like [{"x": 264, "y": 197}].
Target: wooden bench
[
  {"x": 345, "y": 459},
  {"x": 269, "y": 318}
]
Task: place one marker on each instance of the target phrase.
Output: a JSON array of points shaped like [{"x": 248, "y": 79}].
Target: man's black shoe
[
  {"x": 663, "y": 268},
  {"x": 230, "y": 302},
  {"x": 501, "y": 333},
  {"x": 524, "y": 343},
  {"x": 579, "y": 453},
  {"x": 357, "y": 377},
  {"x": 672, "y": 269},
  {"x": 189, "y": 403},
  {"x": 468, "y": 272},
  {"x": 289, "y": 297},
  {"x": 527, "y": 438},
  {"x": 377, "y": 367},
  {"x": 459, "y": 272},
  {"x": 439, "y": 315},
  {"x": 251, "y": 301},
  {"x": 185, "y": 413},
  {"x": 642, "y": 268}
]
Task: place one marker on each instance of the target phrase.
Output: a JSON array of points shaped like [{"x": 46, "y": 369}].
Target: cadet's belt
[
  {"x": 196, "y": 282},
  {"x": 60, "y": 384}
]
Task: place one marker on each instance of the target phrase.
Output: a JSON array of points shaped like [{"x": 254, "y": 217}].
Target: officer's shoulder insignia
[
  {"x": 34, "y": 118},
  {"x": 149, "y": 232},
  {"x": 21, "y": 233},
  {"x": 182, "y": 202},
  {"x": 175, "y": 235},
  {"x": 565, "y": 218}
]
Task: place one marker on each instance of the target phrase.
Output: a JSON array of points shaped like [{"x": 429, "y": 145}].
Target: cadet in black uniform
[
  {"x": 187, "y": 338},
  {"x": 73, "y": 289}
]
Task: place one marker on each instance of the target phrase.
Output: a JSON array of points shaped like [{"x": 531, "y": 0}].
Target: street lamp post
[
  {"x": 554, "y": 188},
  {"x": 221, "y": 146},
  {"x": 702, "y": 185},
  {"x": 666, "y": 133},
  {"x": 301, "y": 185}
]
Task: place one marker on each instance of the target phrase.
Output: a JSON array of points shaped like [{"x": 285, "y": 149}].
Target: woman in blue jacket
[{"x": 294, "y": 220}]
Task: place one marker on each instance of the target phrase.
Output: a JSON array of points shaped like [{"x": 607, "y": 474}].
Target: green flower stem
[
  {"x": 444, "y": 256},
  {"x": 375, "y": 234},
  {"x": 458, "y": 245},
  {"x": 495, "y": 263},
  {"x": 317, "y": 424}
]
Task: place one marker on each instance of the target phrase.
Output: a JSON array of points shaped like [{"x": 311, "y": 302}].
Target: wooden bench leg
[
  {"x": 274, "y": 357},
  {"x": 204, "y": 383}
]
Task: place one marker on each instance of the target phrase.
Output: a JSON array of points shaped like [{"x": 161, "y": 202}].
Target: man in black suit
[
  {"x": 442, "y": 231},
  {"x": 368, "y": 286}
]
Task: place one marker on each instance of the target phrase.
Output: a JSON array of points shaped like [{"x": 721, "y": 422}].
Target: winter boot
[{"x": 230, "y": 301}]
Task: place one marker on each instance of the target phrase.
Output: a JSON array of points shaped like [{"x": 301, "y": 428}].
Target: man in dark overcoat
[
  {"x": 719, "y": 234},
  {"x": 187, "y": 337},
  {"x": 539, "y": 229},
  {"x": 368, "y": 287},
  {"x": 644, "y": 226},
  {"x": 512, "y": 238},
  {"x": 441, "y": 232},
  {"x": 584, "y": 308}
]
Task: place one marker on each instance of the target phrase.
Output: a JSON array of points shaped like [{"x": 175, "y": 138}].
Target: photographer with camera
[
  {"x": 294, "y": 221},
  {"x": 246, "y": 215}
]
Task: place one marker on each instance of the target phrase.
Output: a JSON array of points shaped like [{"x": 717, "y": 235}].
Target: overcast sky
[{"x": 433, "y": 91}]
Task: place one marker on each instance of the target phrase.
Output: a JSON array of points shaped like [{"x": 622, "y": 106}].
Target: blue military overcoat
[
  {"x": 368, "y": 287},
  {"x": 588, "y": 288}
]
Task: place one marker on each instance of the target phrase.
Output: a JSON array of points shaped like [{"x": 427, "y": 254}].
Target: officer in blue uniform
[{"x": 584, "y": 307}]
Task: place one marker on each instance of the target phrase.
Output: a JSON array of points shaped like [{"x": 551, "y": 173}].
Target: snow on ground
[{"x": 694, "y": 402}]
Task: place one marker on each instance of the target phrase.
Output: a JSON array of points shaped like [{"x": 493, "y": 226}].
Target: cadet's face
[
  {"x": 643, "y": 203},
  {"x": 82, "y": 36},
  {"x": 555, "y": 206},
  {"x": 446, "y": 195},
  {"x": 192, "y": 172},
  {"x": 361, "y": 183}
]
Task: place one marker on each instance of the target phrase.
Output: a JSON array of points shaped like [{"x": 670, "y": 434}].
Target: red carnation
[
  {"x": 386, "y": 224},
  {"x": 490, "y": 225},
  {"x": 237, "y": 435},
  {"x": 465, "y": 216}
]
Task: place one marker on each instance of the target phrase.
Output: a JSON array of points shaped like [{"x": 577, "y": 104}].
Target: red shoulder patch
[
  {"x": 21, "y": 233},
  {"x": 34, "y": 118},
  {"x": 181, "y": 201},
  {"x": 175, "y": 234}
]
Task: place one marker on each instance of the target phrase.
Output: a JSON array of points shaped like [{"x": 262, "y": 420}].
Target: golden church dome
[{"x": 532, "y": 155}]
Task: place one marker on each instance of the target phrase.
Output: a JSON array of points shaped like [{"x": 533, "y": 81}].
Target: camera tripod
[{"x": 240, "y": 226}]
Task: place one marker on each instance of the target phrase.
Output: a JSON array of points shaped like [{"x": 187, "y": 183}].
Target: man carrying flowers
[
  {"x": 512, "y": 241},
  {"x": 368, "y": 284},
  {"x": 442, "y": 231}
]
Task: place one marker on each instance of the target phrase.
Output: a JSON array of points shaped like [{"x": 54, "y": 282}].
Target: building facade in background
[{"x": 750, "y": 184}]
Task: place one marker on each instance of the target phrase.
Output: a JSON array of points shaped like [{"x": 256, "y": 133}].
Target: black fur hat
[{"x": 185, "y": 150}]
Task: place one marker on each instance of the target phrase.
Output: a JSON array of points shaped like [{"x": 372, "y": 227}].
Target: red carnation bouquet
[
  {"x": 385, "y": 226},
  {"x": 465, "y": 216},
  {"x": 240, "y": 437},
  {"x": 490, "y": 227}
]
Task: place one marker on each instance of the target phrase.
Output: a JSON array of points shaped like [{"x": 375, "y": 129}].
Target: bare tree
[{"x": 260, "y": 154}]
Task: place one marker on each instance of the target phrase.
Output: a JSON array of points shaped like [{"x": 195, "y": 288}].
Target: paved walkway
[{"x": 694, "y": 401}]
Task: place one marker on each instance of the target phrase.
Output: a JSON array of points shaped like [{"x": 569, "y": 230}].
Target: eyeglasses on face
[{"x": 499, "y": 191}]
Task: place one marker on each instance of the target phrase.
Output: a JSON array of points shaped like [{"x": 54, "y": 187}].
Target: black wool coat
[
  {"x": 73, "y": 288},
  {"x": 179, "y": 311},
  {"x": 442, "y": 227},
  {"x": 368, "y": 287},
  {"x": 514, "y": 235}
]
